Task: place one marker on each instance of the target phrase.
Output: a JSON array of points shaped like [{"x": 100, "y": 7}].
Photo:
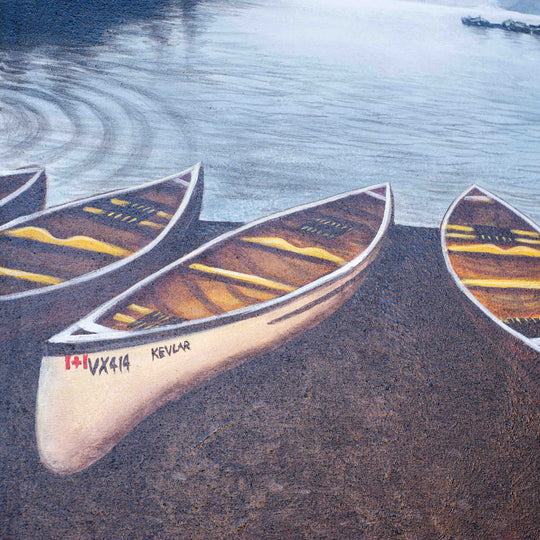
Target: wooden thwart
[
  {"x": 141, "y": 208},
  {"x": 123, "y": 217},
  {"x": 242, "y": 278}
]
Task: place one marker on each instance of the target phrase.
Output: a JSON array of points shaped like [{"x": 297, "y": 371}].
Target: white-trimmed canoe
[
  {"x": 244, "y": 292},
  {"x": 22, "y": 192},
  {"x": 492, "y": 252},
  {"x": 58, "y": 264}
]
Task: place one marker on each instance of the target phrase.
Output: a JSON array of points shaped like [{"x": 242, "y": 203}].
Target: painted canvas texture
[{"x": 269, "y": 269}]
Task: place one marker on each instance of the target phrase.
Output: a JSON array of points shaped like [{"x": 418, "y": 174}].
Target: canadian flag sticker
[{"x": 75, "y": 361}]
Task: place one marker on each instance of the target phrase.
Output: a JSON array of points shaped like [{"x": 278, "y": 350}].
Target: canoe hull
[
  {"x": 71, "y": 436},
  {"x": 92, "y": 392},
  {"x": 49, "y": 310},
  {"x": 491, "y": 254},
  {"x": 45, "y": 314}
]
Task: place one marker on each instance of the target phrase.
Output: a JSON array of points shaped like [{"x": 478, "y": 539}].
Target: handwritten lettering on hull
[
  {"x": 105, "y": 365},
  {"x": 169, "y": 350},
  {"x": 100, "y": 365}
]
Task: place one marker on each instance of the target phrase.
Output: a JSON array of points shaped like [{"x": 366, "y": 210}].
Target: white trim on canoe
[
  {"x": 195, "y": 170},
  {"x": 376, "y": 195},
  {"x": 534, "y": 343},
  {"x": 103, "y": 334},
  {"x": 38, "y": 171}
]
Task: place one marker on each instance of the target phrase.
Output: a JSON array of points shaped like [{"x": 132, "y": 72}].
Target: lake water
[{"x": 283, "y": 101}]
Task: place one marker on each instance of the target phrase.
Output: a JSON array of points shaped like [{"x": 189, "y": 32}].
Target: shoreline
[{"x": 393, "y": 417}]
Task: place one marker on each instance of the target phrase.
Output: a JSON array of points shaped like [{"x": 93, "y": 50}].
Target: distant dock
[{"x": 509, "y": 25}]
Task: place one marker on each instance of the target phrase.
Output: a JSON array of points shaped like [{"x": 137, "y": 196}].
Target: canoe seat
[
  {"x": 149, "y": 318},
  {"x": 128, "y": 213},
  {"x": 325, "y": 227}
]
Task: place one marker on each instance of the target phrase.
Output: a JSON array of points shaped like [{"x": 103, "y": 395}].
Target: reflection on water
[
  {"x": 29, "y": 23},
  {"x": 284, "y": 102}
]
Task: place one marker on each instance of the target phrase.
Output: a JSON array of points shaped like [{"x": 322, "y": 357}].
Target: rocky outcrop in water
[{"x": 509, "y": 25}]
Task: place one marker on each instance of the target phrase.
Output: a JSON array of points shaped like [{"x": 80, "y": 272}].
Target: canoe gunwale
[
  {"x": 195, "y": 171},
  {"x": 38, "y": 171},
  {"x": 67, "y": 341},
  {"x": 530, "y": 342}
]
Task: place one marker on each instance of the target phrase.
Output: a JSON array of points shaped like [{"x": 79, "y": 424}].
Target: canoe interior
[
  {"x": 61, "y": 245},
  {"x": 496, "y": 255},
  {"x": 257, "y": 264},
  {"x": 12, "y": 182}
]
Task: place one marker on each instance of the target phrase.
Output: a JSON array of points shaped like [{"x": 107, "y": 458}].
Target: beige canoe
[{"x": 242, "y": 293}]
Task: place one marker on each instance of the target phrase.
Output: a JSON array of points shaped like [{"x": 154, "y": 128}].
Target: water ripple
[
  {"x": 282, "y": 112},
  {"x": 21, "y": 126}
]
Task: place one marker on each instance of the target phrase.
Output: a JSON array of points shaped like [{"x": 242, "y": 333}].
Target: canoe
[
  {"x": 492, "y": 252},
  {"x": 245, "y": 292},
  {"x": 22, "y": 192},
  {"x": 58, "y": 264}
]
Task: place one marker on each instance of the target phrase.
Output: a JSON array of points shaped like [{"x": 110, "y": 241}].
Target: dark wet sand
[{"x": 394, "y": 418}]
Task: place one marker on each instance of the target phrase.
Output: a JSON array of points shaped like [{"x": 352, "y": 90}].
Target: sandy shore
[{"x": 393, "y": 418}]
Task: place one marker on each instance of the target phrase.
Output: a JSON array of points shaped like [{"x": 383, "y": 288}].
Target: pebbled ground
[{"x": 394, "y": 418}]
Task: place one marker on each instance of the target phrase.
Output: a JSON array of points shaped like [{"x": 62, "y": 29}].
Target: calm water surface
[{"x": 283, "y": 101}]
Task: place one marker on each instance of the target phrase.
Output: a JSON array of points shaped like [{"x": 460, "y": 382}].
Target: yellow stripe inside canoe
[
  {"x": 528, "y": 241},
  {"x": 29, "y": 276},
  {"x": 451, "y": 227},
  {"x": 283, "y": 245},
  {"x": 152, "y": 224},
  {"x": 460, "y": 235},
  {"x": 526, "y": 233},
  {"x": 140, "y": 309},
  {"x": 533, "y": 284},
  {"x": 474, "y": 237},
  {"x": 492, "y": 249},
  {"x": 120, "y": 317},
  {"x": 468, "y": 228},
  {"x": 79, "y": 242},
  {"x": 244, "y": 278}
]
